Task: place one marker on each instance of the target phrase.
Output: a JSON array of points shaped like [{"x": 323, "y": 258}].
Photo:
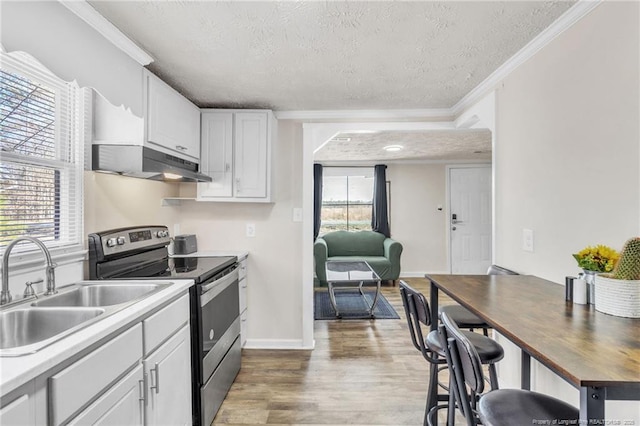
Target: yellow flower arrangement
[{"x": 599, "y": 258}]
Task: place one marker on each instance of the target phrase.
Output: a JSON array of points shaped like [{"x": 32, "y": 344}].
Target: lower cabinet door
[
  {"x": 168, "y": 374},
  {"x": 18, "y": 412},
  {"x": 122, "y": 404}
]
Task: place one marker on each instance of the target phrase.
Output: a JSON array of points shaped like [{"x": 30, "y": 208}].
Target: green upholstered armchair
[{"x": 382, "y": 253}]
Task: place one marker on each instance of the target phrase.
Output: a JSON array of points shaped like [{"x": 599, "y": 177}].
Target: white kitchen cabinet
[
  {"x": 121, "y": 405},
  {"x": 217, "y": 153},
  {"x": 243, "y": 286},
  {"x": 93, "y": 374},
  {"x": 236, "y": 153},
  {"x": 168, "y": 381},
  {"x": 18, "y": 412},
  {"x": 172, "y": 122}
]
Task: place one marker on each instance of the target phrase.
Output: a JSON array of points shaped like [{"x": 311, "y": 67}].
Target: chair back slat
[
  {"x": 416, "y": 309},
  {"x": 467, "y": 356}
]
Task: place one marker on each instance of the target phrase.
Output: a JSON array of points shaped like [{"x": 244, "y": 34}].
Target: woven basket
[{"x": 618, "y": 297}]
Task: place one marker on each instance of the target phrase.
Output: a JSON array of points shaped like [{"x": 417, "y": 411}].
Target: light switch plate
[
  {"x": 527, "y": 240},
  {"x": 251, "y": 229}
]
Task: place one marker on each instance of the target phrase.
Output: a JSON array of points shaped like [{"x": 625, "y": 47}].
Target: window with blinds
[{"x": 41, "y": 126}]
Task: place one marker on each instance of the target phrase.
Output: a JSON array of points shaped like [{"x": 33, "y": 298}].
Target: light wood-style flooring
[{"x": 361, "y": 372}]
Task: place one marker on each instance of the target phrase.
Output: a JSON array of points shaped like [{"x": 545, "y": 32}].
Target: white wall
[
  {"x": 416, "y": 191},
  {"x": 71, "y": 49},
  {"x": 567, "y": 155}
]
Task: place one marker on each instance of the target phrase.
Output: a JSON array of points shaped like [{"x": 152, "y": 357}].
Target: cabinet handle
[
  {"x": 181, "y": 148},
  {"x": 238, "y": 189},
  {"x": 156, "y": 373},
  {"x": 142, "y": 387},
  {"x": 227, "y": 167}
]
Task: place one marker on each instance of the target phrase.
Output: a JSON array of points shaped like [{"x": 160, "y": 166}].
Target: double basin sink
[{"x": 31, "y": 325}]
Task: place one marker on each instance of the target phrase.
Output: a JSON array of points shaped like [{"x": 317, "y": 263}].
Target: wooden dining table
[{"x": 599, "y": 354}]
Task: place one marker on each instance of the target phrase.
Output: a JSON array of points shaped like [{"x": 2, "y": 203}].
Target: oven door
[{"x": 220, "y": 320}]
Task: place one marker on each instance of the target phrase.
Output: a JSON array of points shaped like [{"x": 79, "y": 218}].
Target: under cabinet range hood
[{"x": 146, "y": 163}]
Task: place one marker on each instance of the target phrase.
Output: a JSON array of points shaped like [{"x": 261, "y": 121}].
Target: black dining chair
[
  {"x": 417, "y": 312},
  {"x": 467, "y": 319},
  {"x": 500, "y": 407}
]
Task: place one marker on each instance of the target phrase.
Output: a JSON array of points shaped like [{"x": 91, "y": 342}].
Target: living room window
[
  {"x": 41, "y": 156},
  {"x": 347, "y": 199}
]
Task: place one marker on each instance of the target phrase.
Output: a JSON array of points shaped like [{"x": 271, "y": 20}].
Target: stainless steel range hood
[{"x": 146, "y": 163}]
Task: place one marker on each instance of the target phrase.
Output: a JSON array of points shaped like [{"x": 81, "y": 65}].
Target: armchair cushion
[{"x": 382, "y": 253}]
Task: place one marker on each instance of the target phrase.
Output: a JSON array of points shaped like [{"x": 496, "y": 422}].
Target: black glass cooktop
[{"x": 199, "y": 269}]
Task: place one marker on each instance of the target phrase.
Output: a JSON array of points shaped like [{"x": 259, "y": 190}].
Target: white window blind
[{"x": 41, "y": 155}]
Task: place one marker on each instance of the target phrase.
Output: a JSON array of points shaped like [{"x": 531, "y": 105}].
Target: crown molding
[
  {"x": 564, "y": 22},
  {"x": 99, "y": 23},
  {"x": 390, "y": 114}
]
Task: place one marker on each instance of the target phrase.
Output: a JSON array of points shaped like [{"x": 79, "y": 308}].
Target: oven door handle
[{"x": 211, "y": 290}]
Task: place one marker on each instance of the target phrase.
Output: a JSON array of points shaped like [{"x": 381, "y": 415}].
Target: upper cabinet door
[
  {"x": 252, "y": 154},
  {"x": 217, "y": 154},
  {"x": 172, "y": 122}
]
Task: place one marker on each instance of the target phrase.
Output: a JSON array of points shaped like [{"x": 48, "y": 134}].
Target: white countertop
[
  {"x": 16, "y": 371},
  {"x": 215, "y": 253}
]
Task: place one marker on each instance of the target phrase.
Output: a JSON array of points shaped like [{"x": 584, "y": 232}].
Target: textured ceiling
[
  {"x": 433, "y": 145},
  {"x": 329, "y": 55}
]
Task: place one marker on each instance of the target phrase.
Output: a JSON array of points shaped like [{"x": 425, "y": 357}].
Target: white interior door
[{"x": 470, "y": 219}]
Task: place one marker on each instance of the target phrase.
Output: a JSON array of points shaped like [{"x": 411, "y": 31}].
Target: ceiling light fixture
[{"x": 393, "y": 148}]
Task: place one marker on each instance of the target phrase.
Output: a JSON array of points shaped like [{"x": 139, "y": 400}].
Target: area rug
[{"x": 351, "y": 301}]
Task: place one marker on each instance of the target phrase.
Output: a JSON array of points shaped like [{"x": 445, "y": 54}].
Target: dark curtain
[
  {"x": 317, "y": 199},
  {"x": 380, "y": 216}
]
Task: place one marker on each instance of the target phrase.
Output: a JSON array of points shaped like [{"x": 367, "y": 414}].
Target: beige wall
[
  {"x": 113, "y": 201},
  {"x": 416, "y": 191},
  {"x": 274, "y": 293},
  {"x": 275, "y": 276},
  {"x": 568, "y": 145},
  {"x": 567, "y": 155}
]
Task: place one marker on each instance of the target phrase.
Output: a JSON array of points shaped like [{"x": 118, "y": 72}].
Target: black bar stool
[
  {"x": 417, "y": 312},
  {"x": 502, "y": 407}
]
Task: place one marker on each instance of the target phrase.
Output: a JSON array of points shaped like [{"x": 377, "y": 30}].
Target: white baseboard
[{"x": 295, "y": 344}]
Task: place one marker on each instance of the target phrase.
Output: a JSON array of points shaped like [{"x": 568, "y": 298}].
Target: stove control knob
[
  {"x": 163, "y": 234},
  {"x": 111, "y": 242},
  {"x": 121, "y": 241}
]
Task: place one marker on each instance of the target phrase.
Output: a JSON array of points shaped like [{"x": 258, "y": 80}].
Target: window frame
[
  {"x": 343, "y": 171},
  {"x": 69, "y": 161}
]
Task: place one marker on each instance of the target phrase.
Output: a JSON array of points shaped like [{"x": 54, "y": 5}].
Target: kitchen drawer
[
  {"x": 77, "y": 384},
  {"x": 242, "y": 269},
  {"x": 159, "y": 326},
  {"x": 243, "y": 328},
  {"x": 119, "y": 405},
  {"x": 243, "y": 295}
]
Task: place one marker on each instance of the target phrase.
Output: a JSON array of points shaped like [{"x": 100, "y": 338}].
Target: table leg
[
  {"x": 375, "y": 298},
  {"x": 332, "y": 298},
  {"x": 592, "y": 405},
  {"x": 433, "y": 396},
  {"x": 525, "y": 371}
]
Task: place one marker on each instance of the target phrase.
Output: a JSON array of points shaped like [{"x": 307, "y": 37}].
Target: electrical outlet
[
  {"x": 527, "y": 240},
  {"x": 251, "y": 229}
]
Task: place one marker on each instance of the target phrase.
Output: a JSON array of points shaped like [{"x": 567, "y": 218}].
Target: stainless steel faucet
[{"x": 5, "y": 294}]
